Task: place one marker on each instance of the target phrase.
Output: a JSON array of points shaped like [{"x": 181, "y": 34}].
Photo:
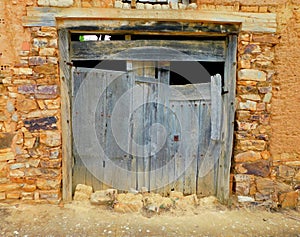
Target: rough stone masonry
[{"x": 266, "y": 162}]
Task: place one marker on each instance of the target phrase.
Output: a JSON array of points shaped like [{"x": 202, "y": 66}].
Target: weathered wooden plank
[
  {"x": 205, "y": 178},
  {"x": 159, "y": 175},
  {"x": 190, "y": 92},
  {"x": 216, "y": 107},
  {"x": 149, "y": 50},
  {"x": 91, "y": 126},
  {"x": 224, "y": 164},
  {"x": 67, "y": 159},
  {"x": 178, "y": 150},
  {"x": 189, "y": 143},
  {"x": 31, "y": 21},
  {"x": 256, "y": 22}
]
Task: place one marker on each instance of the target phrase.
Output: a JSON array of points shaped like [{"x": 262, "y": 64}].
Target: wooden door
[{"x": 132, "y": 130}]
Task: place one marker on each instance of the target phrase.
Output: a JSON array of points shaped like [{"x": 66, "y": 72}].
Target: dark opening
[
  {"x": 183, "y": 73},
  {"x": 114, "y": 65}
]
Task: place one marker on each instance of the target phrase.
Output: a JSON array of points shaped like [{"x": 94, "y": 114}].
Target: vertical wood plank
[
  {"x": 222, "y": 191},
  {"x": 205, "y": 181},
  {"x": 65, "y": 80},
  {"x": 216, "y": 107},
  {"x": 159, "y": 174}
]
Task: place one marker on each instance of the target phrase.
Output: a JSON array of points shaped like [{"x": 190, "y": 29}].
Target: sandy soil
[{"x": 82, "y": 219}]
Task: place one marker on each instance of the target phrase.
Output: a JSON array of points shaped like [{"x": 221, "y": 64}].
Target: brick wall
[{"x": 266, "y": 153}]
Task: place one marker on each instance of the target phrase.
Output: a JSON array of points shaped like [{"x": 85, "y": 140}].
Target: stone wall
[{"x": 266, "y": 153}]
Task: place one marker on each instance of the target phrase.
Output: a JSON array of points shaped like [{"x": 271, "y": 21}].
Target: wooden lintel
[
  {"x": 45, "y": 16},
  {"x": 144, "y": 50}
]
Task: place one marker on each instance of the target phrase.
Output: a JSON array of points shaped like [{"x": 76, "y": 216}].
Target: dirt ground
[{"x": 83, "y": 219}]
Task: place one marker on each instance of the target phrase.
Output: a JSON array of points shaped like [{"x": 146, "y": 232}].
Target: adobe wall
[{"x": 266, "y": 153}]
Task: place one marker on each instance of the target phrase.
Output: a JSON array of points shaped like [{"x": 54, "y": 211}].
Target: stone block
[
  {"x": 242, "y": 184},
  {"x": 281, "y": 187},
  {"x": 182, "y": 6},
  {"x": 148, "y": 6},
  {"x": 165, "y": 7},
  {"x": 265, "y": 38},
  {"x": 29, "y": 142},
  {"x": 253, "y": 97},
  {"x": 36, "y": 60},
  {"x": 244, "y": 126},
  {"x": 51, "y": 138},
  {"x": 297, "y": 176},
  {"x": 41, "y": 113},
  {"x": 104, "y": 197},
  {"x": 47, "y": 123},
  {"x": 49, "y": 194},
  {"x": 27, "y": 196},
  {"x": 47, "y": 69},
  {"x": 289, "y": 200},
  {"x": 52, "y": 60},
  {"x": 252, "y": 49},
  {"x": 265, "y": 185},
  {"x": 25, "y": 105},
  {"x": 54, "y": 154},
  {"x": 17, "y": 166},
  {"x": 245, "y": 199},
  {"x": 248, "y": 105},
  {"x": 56, "y": 3},
  {"x": 83, "y": 191},
  {"x": 6, "y": 140},
  {"x": 264, "y": 90},
  {"x": 286, "y": 172},
  {"x": 23, "y": 71},
  {"x": 267, "y": 98},
  {"x": 126, "y": 6},
  {"x": 254, "y": 145},
  {"x": 242, "y": 115},
  {"x": 13, "y": 195},
  {"x": 33, "y": 162},
  {"x": 128, "y": 202},
  {"x": 33, "y": 172},
  {"x": 3, "y": 116},
  {"x": 192, "y": 6},
  {"x": 27, "y": 89},
  {"x": 40, "y": 42},
  {"x": 265, "y": 155},
  {"x": 53, "y": 43},
  {"x": 249, "y": 8},
  {"x": 9, "y": 187},
  {"x": 157, "y": 7},
  {"x": 7, "y": 156},
  {"x": 16, "y": 173},
  {"x": 259, "y": 168},
  {"x": 46, "y": 92},
  {"x": 2, "y": 196},
  {"x": 262, "y": 197},
  {"x": 50, "y": 163},
  {"x": 248, "y": 156},
  {"x": 53, "y": 104},
  {"x": 263, "y": 9},
  {"x": 118, "y": 4},
  {"x": 80, "y": 197},
  {"x": 128, "y": 207},
  {"x": 252, "y": 75},
  {"x": 48, "y": 184},
  {"x": 29, "y": 187},
  {"x": 47, "y": 52}
]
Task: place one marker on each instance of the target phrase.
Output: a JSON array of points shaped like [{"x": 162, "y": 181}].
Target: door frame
[{"x": 215, "y": 29}]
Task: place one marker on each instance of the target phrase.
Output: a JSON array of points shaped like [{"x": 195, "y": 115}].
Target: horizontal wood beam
[
  {"x": 153, "y": 50},
  {"x": 253, "y": 22}
]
